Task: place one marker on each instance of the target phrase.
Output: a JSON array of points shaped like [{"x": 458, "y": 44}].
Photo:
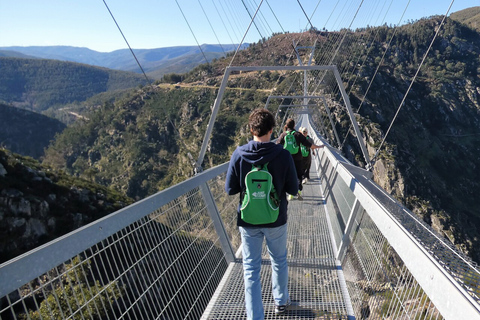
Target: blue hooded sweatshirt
[{"x": 280, "y": 166}]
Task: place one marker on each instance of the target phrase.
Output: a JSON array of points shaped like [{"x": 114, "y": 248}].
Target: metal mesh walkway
[{"x": 314, "y": 285}]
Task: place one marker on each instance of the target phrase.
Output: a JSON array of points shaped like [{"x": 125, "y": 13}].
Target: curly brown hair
[{"x": 261, "y": 121}]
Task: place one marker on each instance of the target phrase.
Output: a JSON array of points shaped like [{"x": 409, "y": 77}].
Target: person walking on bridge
[
  {"x": 307, "y": 156},
  {"x": 289, "y": 128},
  {"x": 262, "y": 152}
]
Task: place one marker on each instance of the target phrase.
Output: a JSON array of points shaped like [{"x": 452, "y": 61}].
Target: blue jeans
[{"x": 252, "y": 240}]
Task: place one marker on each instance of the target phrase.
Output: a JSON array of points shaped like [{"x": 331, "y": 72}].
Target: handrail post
[
  {"x": 348, "y": 230},
  {"x": 217, "y": 222},
  {"x": 352, "y": 116},
  {"x": 331, "y": 121},
  {"x": 211, "y": 123}
]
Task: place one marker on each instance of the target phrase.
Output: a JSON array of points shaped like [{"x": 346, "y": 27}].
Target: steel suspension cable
[
  {"x": 306, "y": 16},
  {"x": 378, "y": 66},
  {"x": 315, "y": 10},
  {"x": 328, "y": 34},
  {"x": 223, "y": 22},
  {"x": 327, "y": 48},
  {"x": 345, "y": 34},
  {"x": 138, "y": 62},
  {"x": 329, "y": 45},
  {"x": 311, "y": 16},
  {"x": 370, "y": 46},
  {"x": 229, "y": 20},
  {"x": 233, "y": 16},
  {"x": 349, "y": 45},
  {"x": 253, "y": 19},
  {"x": 211, "y": 27},
  {"x": 349, "y": 48},
  {"x": 289, "y": 58},
  {"x": 325, "y": 43},
  {"x": 124, "y": 38},
  {"x": 188, "y": 24},
  {"x": 259, "y": 6},
  {"x": 335, "y": 48},
  {"x": 356, "y": 40},
  {"x": 263, "y": 21},
  {"x": 281, "y": 27},
  {"x": 411, "y": 82},
  {"x": 246, "y": 31},
  {"x": 309, "y": 22}
]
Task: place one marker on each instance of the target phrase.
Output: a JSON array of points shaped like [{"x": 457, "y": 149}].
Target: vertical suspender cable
[{"x": 232, "y": 12}]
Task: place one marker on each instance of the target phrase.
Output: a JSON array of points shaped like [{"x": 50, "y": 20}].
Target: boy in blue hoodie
[{"x": 280, "y": 165}]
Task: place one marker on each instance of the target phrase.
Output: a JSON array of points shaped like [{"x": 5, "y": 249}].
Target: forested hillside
[
  {"x": 26, "y": 132},
  {"x": 141, "y": 144},
  {"x": 469, "y": 17},
  {"x": 38, "y": 84}
]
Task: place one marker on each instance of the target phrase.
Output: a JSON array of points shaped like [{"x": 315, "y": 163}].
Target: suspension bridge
[{"x": 354, "y": 252}]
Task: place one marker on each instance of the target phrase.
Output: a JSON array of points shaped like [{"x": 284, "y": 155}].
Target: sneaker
[
  {"x": 281, "y": 309},
  {"x": 299, "y": 195},
  {"x": 304, "y": 181},
  {"x": 290, "y": 197}
]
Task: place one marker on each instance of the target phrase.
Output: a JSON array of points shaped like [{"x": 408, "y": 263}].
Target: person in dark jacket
[
  {"x": 307, "y": 160},
  {"x": 297, "y": 158},
  {"x": 280, "y": 165}
]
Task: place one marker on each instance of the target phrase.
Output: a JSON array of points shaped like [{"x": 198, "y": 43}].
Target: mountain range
[{"x": 155, "y": 62}]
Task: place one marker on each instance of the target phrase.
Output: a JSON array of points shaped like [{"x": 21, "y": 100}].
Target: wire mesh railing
[
  {"x": 163, "y": 259},
  {"x": 395, "y": 266},
  {"x": 385, "y": 288}
]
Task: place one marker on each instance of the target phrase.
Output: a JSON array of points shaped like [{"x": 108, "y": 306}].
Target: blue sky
[{"x": 160, "y": 23}]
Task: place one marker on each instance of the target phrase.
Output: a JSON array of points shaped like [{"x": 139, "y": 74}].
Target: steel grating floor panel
[{"x": 314, "y": 286}]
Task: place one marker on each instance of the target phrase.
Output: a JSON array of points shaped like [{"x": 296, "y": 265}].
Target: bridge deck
[{"x": 314, "y": 285}]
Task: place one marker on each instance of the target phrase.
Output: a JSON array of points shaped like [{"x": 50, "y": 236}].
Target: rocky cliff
[{"x": 38, "y": 204}]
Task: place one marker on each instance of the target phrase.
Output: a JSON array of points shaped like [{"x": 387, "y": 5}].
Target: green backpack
[
  {"x": 260, "y": 203},
  {"x": 290, "y": 143},
  {"x": 304, "y": 149}
]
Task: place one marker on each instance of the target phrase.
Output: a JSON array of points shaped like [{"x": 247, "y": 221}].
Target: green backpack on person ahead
[
  {"x": 260, "y": 204},
  {"x": 290, "y": 143},
  {"x": 304, "y": 150}
]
